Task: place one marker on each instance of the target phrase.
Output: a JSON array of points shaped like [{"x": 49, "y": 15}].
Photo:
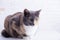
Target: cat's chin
[{"x": 30, "y": 30}]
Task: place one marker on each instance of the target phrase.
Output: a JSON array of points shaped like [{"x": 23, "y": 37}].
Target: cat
[{"x": 19, "y": 25}]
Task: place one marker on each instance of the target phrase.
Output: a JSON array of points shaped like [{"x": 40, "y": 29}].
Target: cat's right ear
[{"x": 26, "y": 12}]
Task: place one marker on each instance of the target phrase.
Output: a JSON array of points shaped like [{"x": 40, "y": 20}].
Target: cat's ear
[
  {"x": 26, "y": 12},
  {"x": 37, "y": 13}
]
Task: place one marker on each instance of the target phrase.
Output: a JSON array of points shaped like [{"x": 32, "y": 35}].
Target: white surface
[{"x": 49, "y": 28}]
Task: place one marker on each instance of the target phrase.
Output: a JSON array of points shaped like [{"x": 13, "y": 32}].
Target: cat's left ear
[{"x": 37, "y": 13}]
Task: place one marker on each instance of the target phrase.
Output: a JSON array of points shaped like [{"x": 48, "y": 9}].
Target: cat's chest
[{"x": 30, "y": 30}]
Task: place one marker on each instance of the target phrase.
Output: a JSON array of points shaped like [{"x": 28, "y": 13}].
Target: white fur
[{"x": 30, "y": 30}]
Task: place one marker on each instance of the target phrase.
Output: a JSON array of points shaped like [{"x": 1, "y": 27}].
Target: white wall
[{"x": 49, "y": 28}]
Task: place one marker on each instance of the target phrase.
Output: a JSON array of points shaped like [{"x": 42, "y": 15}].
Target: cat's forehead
[
  {"x": 32, "y": 15},
  {"x": 32, "y": 12}
]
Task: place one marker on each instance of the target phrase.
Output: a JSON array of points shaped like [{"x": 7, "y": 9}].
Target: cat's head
[{"x": 31, "y": 17}]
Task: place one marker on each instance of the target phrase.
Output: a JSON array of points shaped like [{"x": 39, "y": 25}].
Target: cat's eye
[{"x": 30, "y": 18}]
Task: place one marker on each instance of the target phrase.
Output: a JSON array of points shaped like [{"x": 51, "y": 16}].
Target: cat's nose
[{"x": 31, "y": 24}]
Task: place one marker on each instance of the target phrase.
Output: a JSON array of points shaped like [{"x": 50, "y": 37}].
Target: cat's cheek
[{"x": 36, "y": 22}]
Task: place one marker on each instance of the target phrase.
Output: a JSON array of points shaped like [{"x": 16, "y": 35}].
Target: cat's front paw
[
  {"x": 24, "y": 35},
  {"x": 20, "y": 37}
]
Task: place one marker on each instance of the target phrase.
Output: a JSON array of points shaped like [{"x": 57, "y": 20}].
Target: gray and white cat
[{"x": 21, "y": 24}]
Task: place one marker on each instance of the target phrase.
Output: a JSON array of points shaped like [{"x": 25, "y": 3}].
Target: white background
[{"x": 49, "y": 25}]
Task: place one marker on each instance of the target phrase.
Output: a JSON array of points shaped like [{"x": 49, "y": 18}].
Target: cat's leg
[
  {"x": 6, "y": 26},
  {"x": 5, "y": 34},
  {"x": 20, "y": 36},
  {"x": 23, "y": 31},
  {"x": 16, "y": 32}
]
